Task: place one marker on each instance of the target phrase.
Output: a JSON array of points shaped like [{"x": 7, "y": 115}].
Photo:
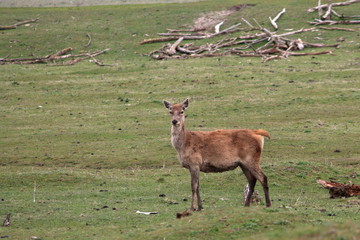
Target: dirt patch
[
  {"x": 239, "y": 7},
  {"x": 210, "y": 19}
]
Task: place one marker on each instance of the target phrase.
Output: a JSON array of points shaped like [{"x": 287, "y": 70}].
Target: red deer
[{"x": 217, "y": 151}]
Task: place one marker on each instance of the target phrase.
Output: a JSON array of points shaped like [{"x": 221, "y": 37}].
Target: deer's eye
[
  {"x": 171, "y": 113},
  {"x": 182, "y": 112}
]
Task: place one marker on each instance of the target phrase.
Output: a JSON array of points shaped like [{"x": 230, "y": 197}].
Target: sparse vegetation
[{"x": 96, "y": 142}]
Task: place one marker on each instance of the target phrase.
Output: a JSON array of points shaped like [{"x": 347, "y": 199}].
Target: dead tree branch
[
  {"x": 337, "y": 28},
  {"x": 273, "y": 46},
  {"x": 52, "y": 59},
  {"x": 273, "y": 21},
  {"x": 334, "y": 4},
  {"x": 89, "y": 42},
  {"x": 189, "y": 37},
  {"x": 331, "y": 22},
  {"x": 14, "y": 26},
  {"x": 337, "y": 190}
]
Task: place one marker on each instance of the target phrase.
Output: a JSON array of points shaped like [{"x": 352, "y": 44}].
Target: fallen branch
[
  {"x": 217, "y": 27},
  {"x": 337, "y": 190},
  {"x": 188, "y": 37},
  {"x": 14, "y": 26},
  {"x": 334, "y": 4},
  {"x": 54, "y": 58},
  {"x": 331, "y": 22},
  {"x": 327, "y": 13},
  {"x": 337, "y": 28},
  {"x": 319, "y": 8},
  {"x": 273, "y": 21},
  {"x": 186, "y": 30},
  {"x": 172, "y": 49},
  {"x": 248, "y": 23},
  {"x": 89, "y": 42}
]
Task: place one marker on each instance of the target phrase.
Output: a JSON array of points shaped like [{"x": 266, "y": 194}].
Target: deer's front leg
[{"x": 195, "y": 188}]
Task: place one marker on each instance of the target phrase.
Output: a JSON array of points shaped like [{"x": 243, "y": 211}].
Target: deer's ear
[
  {"x": 167, "y": 104},
  {"x": 185, "y": 104}
]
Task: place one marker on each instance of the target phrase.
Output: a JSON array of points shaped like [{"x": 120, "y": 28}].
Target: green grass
[{"x": 77, "y": 131}]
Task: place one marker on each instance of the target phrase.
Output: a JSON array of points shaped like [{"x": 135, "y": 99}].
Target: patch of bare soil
[{"x": 210, "y": 19}]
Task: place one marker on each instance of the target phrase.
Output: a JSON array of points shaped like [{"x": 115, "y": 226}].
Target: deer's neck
[{"x": 178, "y": 137}]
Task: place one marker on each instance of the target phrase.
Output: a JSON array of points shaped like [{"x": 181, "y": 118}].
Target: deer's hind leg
[
  {"x": 252, "y": 182},
  {"x": 262, "y": 178}
]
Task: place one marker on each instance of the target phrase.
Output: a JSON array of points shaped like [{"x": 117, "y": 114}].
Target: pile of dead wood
[
  {"x": 62, "y": 58},
  {"x": 252, "y": 42},
  {"x": 263, "y": 43},
  {"x": 326, "y": 13}
]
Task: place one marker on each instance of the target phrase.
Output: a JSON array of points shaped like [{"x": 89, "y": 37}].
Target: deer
[{"x": 217, "y": 151}]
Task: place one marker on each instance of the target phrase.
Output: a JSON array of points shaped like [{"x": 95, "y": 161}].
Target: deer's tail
[{"x": 262, "y": 133}]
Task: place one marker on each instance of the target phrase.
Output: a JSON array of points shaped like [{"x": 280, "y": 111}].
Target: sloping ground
[{"x": 80, "y": 3}]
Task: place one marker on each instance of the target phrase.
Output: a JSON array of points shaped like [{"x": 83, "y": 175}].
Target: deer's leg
[
  {"x": 266, "y": 190},
  {"x": 252, "y": 181},
  {"x": 195, "y": 188},
  {"x": 263, "y": 180}
]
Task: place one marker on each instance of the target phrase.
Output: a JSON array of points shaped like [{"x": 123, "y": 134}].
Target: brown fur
[{"x": 217, "y": 151}]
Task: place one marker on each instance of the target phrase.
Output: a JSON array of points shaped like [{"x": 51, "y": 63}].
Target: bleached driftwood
[
  {"x": 273, "y": 20},
  {"x": 217, "y": 27},
  {"x": 190, "y": 37},
  {"x": 172, "y": 49},
  {"x": 338, "y": 28},
  {"x": 247, "y": 22},
  {"x": 331, "y": 22},
  {"x": 334, "y": 4}
]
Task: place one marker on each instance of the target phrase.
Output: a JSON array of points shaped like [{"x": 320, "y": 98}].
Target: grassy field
[
  {"x": 81, "y": 3},
  {"x": 95, "y": 141}
]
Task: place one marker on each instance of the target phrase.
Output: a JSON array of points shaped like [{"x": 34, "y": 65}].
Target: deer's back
[{"x": 222, "y": 150}]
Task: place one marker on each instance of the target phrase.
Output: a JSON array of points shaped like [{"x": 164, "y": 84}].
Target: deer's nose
[{"x": 174, "y": 122}]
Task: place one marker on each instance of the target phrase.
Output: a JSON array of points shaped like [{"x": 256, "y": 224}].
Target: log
[{"x": 338, "y": 190}]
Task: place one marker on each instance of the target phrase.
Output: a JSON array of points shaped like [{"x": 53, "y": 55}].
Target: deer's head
[{"x": 177, "y": 112}]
